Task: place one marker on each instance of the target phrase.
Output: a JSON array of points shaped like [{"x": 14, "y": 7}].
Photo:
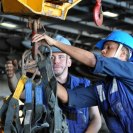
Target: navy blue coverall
[
  {"x": 77, "y": 119},
  {"x": 114, "y": 96}
]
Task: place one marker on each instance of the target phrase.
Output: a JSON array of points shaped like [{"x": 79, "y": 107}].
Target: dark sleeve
[
  {"x": 114, "y": 67},
  {"x": 82, "y": 97}
]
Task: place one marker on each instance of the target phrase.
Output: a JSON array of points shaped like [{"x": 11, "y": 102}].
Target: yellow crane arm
[{"x": 38, "y": 7}]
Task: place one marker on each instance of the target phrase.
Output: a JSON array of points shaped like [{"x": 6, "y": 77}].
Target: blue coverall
[
  {"x": 114, "y": 96},
  {"x": 77, "y": 119}
]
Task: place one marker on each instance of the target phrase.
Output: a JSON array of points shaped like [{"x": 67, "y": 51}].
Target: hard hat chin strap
[{"x": 118, "y": 51}]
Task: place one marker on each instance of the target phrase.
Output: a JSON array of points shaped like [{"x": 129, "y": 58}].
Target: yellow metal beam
[{"x": 40, "y": 7}]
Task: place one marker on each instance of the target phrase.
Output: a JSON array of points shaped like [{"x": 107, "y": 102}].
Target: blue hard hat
[
  {"x": 62, "y": 40},
  {"x": 120, "y": 37},
  {"x": 117, "y": 36}
]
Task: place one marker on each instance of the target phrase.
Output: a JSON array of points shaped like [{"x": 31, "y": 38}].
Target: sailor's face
[
  {"x": 109, "y": 49},
  {"x": 60, "y": 63}
]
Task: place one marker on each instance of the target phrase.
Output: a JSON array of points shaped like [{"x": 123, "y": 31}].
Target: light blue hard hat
[
  {"x": 62, "y": 40},
  {"x": 117, "y": 36}
]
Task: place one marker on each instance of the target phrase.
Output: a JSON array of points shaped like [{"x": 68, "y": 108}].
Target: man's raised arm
[{"x": 81, "y": 55}]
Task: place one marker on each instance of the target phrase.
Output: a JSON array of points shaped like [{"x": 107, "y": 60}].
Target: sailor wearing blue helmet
[
  {"x": 120, "y": 37},
  {"x": 114, "y": 94},
  {"x": 79, "y": 120}
]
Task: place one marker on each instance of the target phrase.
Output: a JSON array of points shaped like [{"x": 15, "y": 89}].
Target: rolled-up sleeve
[{"x": 82, "y": 97}]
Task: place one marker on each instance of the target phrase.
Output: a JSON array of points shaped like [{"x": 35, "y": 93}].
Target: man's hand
[
  {"x": 44, "y": 38},
  {"x": 11, "y": 67}
]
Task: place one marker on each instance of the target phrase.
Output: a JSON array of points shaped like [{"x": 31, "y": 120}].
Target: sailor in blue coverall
[
  {"x": 114, "y": 95},
  {"x": 78, "y": 120}
]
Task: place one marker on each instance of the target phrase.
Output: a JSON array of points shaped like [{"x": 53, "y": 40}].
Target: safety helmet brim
[{"x": 117, "y": 36}]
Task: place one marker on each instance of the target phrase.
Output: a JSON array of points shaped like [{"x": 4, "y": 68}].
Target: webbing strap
[
  {"x": 13, "y": 109},
  {"x": 55, "y": 116},
  {"x": 118, "y": 51},
  {"x": 28, "y": 106},
  {"x": 3, "y": 111},
  {"x": 12, "y": 112},
  {"x": 40, "y": 110},
  {"x": 20, "y": 87}
]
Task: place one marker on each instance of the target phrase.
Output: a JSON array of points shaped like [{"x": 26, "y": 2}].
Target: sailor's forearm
[
  {"x": 12, "y": 82},
  {"x": 81, "y": 55},
  {"x": 62, "y": 93}
]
